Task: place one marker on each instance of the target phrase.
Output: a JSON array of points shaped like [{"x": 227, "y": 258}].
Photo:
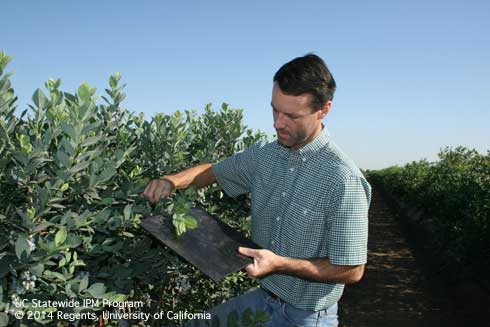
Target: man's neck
[{"x": 311, "y": 138}]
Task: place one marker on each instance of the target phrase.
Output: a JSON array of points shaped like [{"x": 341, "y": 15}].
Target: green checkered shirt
[{"x": 307, "y": 203}]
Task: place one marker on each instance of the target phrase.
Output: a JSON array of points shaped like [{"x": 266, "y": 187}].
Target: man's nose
[{"x": 279, "y": 121}]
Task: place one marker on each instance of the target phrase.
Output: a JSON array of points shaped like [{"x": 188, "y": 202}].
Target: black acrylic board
[{"x": 212, "y": 247}]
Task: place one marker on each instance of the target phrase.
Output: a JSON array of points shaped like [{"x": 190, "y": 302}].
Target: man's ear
[{"x": 326, "y": 109}]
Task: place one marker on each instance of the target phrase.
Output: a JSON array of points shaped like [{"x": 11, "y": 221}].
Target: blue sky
[{"x": 412, "y": 75}]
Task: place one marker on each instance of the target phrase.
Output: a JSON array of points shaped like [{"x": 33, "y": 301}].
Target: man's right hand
[{"x": 158, "y": 189}]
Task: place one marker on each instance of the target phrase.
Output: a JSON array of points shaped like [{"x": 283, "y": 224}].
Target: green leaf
[
  {"x": 72, "y": 241},
  {"x": 25, "y": 143},
  {"x": 115, "y": 297},
  {"x": 261, "y": 316},
  {"x": 232, "y": 320},
  {"x": 40, "y": 100},
  {"x": 107, "y": 201},
  {"x": 22, "y": 246},
  {"x": 91, "y": 140},
  {"x": 79, "y": 167},
  {"x": 63, "y": 159},
  {"x": 181, "y": 228},
  {"x": 106, "y": 174},
  {"x": 70, "y": 131},
  {"x": 43, "y": 245},
  {"x": 113, "y": 81},
  {"x": 4, "y": 60},
  {"x": 69, "y": 291},
  {"x": 127, "y": 211},
  {"x": 85, "y": 92},
  {"x": 190, "y": 222},
  {"x": 247, "y": 316},
  {"x": 97, "y": 290},
  {"x": 86, "y": 111},
  {"x": 70, "y": 97},
  {"x": 68, "y": 256},
  {"x": 92, "y": 181},
  {"x": 5, "y": 264},
  {"x": 83, "y": 283},
  {"x": 190, "y": 192},
  {"x": 53, "y": 274},
  {"x": 31, "y": 212},
  {"x": 102, "y": 216},
  {"x": 60, "y": 236},
  {"x": 62, "y": 262},
  {"x": 37, "y": 269},
  {"x": 43, "y": 197},
  {"x": 67, "y": 146},
  {"x": 22, "y": 157},
  {"x": 113, "y": 223},
  {"x": 64, "y": 187},
  {"x": 4, "y": 319},
  {"x": 58, "y": 275}
]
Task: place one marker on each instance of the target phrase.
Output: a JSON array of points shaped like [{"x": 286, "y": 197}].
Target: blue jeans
[{"x": 280, "y": 313}]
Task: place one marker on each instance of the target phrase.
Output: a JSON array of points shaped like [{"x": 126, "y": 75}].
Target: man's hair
[{"x": 308, "y": 74}]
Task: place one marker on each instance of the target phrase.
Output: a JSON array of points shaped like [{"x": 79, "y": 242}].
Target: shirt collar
[{"x": 309, "y": 150}]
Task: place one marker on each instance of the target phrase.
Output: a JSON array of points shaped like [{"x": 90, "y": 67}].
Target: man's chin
[{"x": 283, "y": 142}]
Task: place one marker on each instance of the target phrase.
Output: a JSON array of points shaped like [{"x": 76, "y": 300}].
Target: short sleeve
[
  {"x": 235, "y": 174},
  {"x": 348, "y": 222}
]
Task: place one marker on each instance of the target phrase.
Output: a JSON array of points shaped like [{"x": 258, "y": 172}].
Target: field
[{"x": 72, "y": 169}]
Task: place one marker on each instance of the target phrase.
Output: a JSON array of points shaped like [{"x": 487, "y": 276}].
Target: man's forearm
[
  {"x": 317, "y": 270},
  {"x": 197, "y": 176},
  {"x": 320, "y": 270}
]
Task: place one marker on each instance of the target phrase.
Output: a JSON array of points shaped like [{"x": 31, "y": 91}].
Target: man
[{"x": 309, "y": 204}]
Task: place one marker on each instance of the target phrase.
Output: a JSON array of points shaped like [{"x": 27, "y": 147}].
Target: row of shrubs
[
  {"x": 454, "y": 192},
  {"x": 72, "y": 169}
]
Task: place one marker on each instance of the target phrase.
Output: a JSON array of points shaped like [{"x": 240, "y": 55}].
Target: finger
[
  {"x": 148, "y": 193},
  {"x": 157, "y": 191},
  {"x": 247, "y": 251},
  {"x": 152, "y": 192},
  {"x": 249, "y": 269},
  {"x": 169, "y": 187},
  {"x": 165, "y": 189}
]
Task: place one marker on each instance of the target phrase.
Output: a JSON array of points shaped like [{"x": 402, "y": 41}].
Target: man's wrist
[
  {"x": 281, "y": 264},
  {"x": 169, "y": 179}
]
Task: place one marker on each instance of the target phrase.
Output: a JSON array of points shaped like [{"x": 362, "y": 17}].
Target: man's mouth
[{"x": 282, "y": 134}]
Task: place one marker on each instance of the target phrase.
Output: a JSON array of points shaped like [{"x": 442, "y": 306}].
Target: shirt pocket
[
  {"x": 265, "y": 195},
  {"x": 304, "y": 231}
]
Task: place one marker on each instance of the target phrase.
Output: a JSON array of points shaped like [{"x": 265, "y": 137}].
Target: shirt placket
[{"x": 286, "y": 195}]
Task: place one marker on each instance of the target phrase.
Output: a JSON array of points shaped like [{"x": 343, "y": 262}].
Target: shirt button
[
  {"x": 272, "y": 242},
  {"x": 278, "y": 218},
  {"x": 291, "y": 169},
  {"x": 283, "y": 194},
  {"x": 304, "y": 159}
]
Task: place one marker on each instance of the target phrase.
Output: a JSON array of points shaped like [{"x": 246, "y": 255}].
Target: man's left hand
[{"x": 265, "y": 262}]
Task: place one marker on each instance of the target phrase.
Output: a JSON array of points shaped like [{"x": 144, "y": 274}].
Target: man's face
[{"x": 295, "y": 122}]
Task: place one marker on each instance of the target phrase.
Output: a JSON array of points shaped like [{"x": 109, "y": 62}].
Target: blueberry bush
[{"x": 72, "y": 169}]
